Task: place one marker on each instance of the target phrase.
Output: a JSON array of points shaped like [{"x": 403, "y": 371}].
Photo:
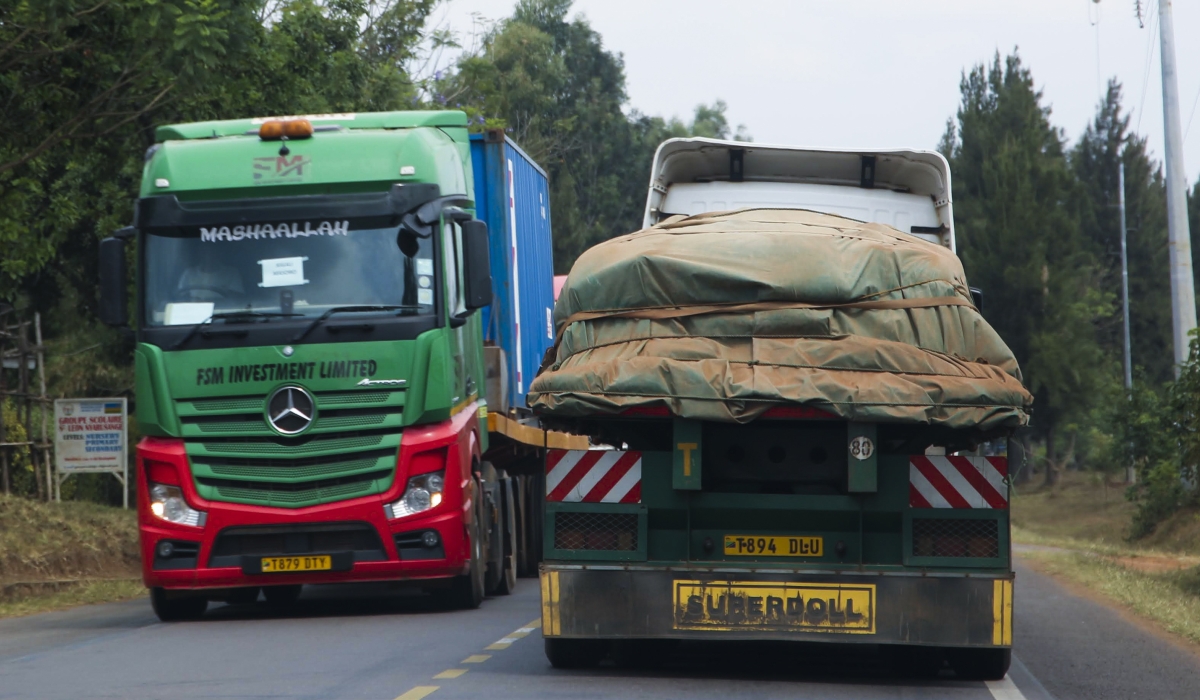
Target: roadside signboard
[{"x": 90, "y": 435}]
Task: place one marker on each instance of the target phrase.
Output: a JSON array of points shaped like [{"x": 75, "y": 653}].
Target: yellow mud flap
[
  {"x": 1002, "y": 606},
  {"x": 551, "y": 614}
]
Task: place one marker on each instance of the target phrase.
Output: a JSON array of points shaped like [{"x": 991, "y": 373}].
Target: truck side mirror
[
  {"x": 477, "y": 263},
  {"x": 114, "y": 309}
]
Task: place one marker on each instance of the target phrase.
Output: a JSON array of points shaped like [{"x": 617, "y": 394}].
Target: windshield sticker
[
  {"x": 282, "y": 272},
  {"x": 423, "y": 281},
  {"x": 257, "y": 232},
  {"x": 424, "y": 296},
  {"x": 187, "y": 314},
  {"x": 424, "y": 266},
  {"x": 272, "y": 169}
]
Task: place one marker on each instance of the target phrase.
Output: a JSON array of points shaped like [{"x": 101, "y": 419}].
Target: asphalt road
[{"x": 378, "y": 644}]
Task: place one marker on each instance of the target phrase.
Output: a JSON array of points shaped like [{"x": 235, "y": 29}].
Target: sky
[{"x": 881, "y": 73}]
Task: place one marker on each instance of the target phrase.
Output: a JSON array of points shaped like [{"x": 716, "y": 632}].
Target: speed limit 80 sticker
[{"x": 861, "y": 447}]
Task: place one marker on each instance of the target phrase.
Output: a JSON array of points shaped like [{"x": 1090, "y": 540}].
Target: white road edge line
[{"x": 1005, "y": 689}]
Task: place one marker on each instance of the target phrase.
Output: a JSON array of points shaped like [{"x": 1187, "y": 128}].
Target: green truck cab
[{"x": 310, "y": 359}]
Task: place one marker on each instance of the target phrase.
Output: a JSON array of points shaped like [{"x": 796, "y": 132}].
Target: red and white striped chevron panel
[
  {"x": 594, "y": 476},
  {"x": 936, "y": 481}
]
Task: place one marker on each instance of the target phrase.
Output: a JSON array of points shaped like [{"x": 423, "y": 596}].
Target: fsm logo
[{"x": 274, "y": 169}]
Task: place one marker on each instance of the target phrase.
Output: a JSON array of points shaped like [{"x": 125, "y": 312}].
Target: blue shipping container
[{"x": 512, "y": 196}]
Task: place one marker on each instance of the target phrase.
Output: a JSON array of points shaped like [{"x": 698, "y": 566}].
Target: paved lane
[
  {"x": 379, "y": 644},
  {"x": 1078, "y": 648}
]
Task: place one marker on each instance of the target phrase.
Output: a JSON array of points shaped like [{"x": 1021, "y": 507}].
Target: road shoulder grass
[
  {"x": 1171, "y": 600},
  {"x": 1077, "y": 533},
  {"x": 59, "y": 555}
]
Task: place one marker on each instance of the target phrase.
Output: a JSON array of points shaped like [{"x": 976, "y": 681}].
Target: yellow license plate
[
  {"x": 773, "y": 546},
  {"x": 848, "y": 608},
  {"x": 283, "y": 565}
]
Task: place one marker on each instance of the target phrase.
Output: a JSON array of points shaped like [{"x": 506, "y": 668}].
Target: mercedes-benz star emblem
[{"x": 290, "y": 409}]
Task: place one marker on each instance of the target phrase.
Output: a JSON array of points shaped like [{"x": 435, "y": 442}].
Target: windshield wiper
[
  {"x": 227, "y": 316},
  {"x": 351, "y": 309}
]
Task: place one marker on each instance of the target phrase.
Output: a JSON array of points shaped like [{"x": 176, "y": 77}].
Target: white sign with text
[{"x": 90, "y": 435}]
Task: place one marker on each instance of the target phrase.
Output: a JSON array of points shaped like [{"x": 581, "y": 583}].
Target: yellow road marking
[
  {"x": 419, "y": 692},
  {"x": 513, "y": 636},
  {"x": 476, "y": 658},
  {"x": 450, "y": 673}
]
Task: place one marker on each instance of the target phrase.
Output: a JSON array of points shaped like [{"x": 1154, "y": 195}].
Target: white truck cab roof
[{"x": 903, "y": 188}]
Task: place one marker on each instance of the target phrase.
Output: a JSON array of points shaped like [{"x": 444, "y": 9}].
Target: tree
[
  {"x": 1094, "y": 159},
  {"x": 708, "y": 121},
  {"x": 549, "y": 82},
  {"x": 1020, "y": 240},
  {"x": 77, "y": 75}
]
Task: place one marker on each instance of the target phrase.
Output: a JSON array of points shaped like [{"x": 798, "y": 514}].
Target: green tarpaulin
[{"x": 723, "y": 316}]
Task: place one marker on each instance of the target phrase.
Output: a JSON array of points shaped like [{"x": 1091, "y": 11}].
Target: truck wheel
[
  {"x": 981, "y": 664},
  {"x": 534, "y": 489},
  {"x": 282, "y": 595},
  {"x": 176, "y": 609},
  {"x": 520, "y": 487},
  {"x": 492, "y": 506},
  {"x": 913, "y": 661},
  {"x": 466, "y": 592},
  {"x": 243, "y": 596},
  {"x": 508, "y": 536},
  {"x": 574, "y": 653},
  {"x": 642, "y": 653}
]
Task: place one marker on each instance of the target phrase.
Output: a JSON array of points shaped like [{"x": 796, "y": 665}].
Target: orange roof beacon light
[{"x": 276, "y": 130}]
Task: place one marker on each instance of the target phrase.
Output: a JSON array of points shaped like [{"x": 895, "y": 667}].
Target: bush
[{"x": 1162, "y": 438}]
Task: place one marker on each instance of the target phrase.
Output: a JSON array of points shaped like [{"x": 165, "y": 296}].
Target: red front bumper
[{"x": 449, "y": 518}]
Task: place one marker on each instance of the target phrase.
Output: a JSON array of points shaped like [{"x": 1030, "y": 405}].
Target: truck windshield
[{"x": 303, "y": 268}]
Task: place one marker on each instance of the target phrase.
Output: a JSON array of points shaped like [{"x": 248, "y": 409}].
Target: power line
[
  {"x": 1150, "y": 44},
  {"x": 1195, "y": 101},
  {"x": 1096, "y": 25}
]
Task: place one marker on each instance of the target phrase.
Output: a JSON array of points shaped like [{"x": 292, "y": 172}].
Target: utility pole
[
  {"x": 1130, "y": 470},
  {"x": 1124, "y": 277},
  {"x": 1183, "y": 294}
]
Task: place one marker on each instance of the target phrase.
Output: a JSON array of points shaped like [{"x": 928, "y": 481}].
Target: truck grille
[
  {"x": 613, "y": 532},
  {"x": 350, "y": 450},
  {"x": 954, "y": 537},
  {"x": 313, "y": 538}
]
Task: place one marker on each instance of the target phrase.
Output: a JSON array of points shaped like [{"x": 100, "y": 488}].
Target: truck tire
[
  {"x": 521, "y": 496},
  {"x": 492, "y": 508},
  {"x": 282, "y": 595},
  {"x": 535, "y": 486},
  {"x": 981, "y": 664},
  {"x": 507, "y": 533},
  {"x": 176, "y": 609},
  {"x": 466, "y": 592},
  {"x": 913, "y": 661},
  {"x": 243, "y": 596},
  {"x": 575, "y": 653}
]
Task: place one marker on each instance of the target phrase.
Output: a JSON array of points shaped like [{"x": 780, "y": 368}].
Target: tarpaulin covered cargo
[{"x": 722, "y": 316}]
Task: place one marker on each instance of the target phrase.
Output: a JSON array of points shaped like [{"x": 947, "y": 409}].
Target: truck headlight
[
  {"x": 423, "y": 492},
  {"x": 167, "y": 503}
]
